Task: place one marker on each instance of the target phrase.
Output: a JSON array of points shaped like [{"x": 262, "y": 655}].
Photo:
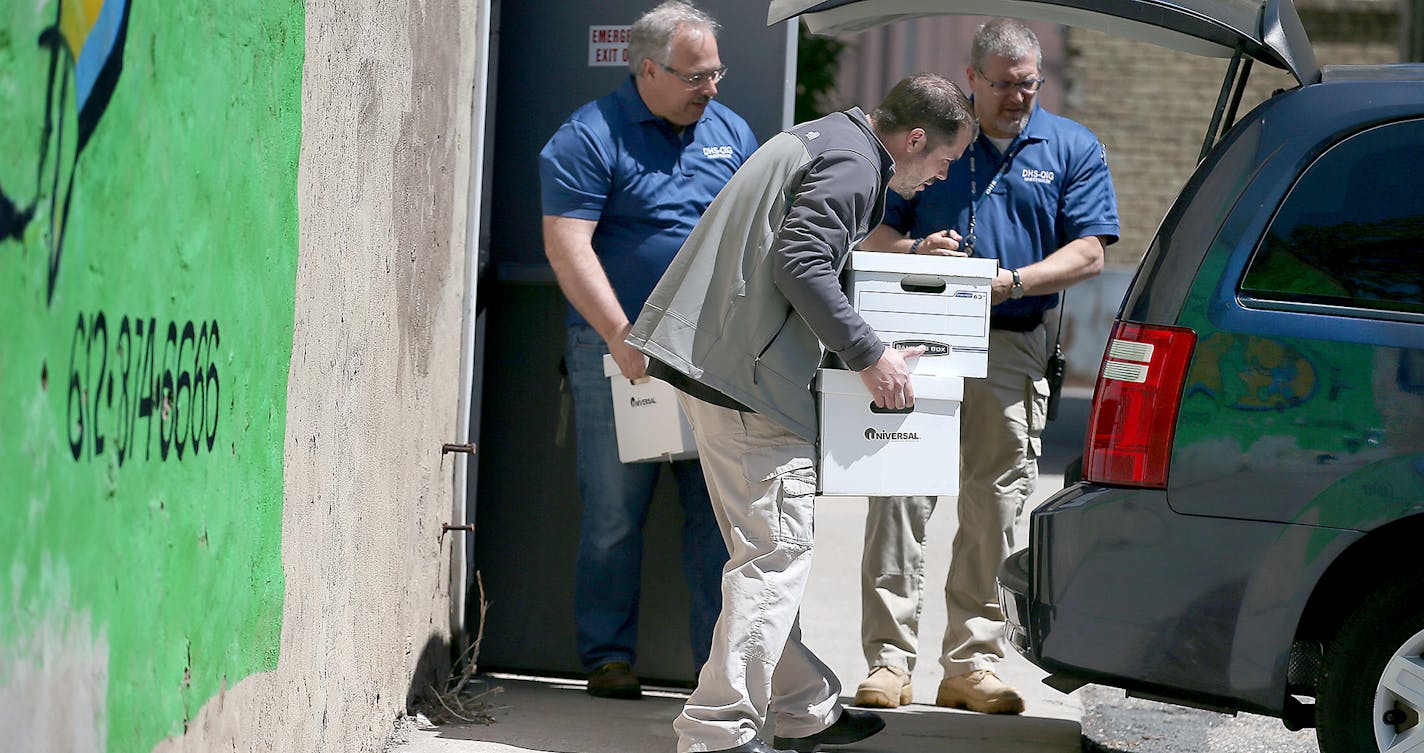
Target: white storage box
[
  {"x": 941, "y": 302},
  {"x": 647, "y": 419},
  {"x": 867, "y": 452}
]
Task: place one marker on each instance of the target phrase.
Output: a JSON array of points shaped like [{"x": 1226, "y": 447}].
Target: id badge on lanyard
[{"x": 976, "y": 198}]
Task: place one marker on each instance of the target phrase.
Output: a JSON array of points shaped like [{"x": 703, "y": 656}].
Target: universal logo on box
[
  {"x": 932, "y": 348},
  {"x": 639, "y": 402},
  {"x": 891, "y": 436}
]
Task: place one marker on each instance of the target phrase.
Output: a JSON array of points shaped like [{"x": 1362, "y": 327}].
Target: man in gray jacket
[{"x": 740, "y": 323}]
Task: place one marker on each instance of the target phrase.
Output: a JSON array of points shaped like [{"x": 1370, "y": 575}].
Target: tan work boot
[
  {"x": 885, "y": 688},
  {"x": 980, "y": 690}
]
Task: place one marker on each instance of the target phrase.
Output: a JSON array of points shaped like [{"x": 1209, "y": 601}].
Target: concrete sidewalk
[{"x": 557, "y": 716}]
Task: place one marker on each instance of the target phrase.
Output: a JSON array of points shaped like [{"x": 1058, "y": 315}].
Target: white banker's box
[
  {"x": 940, "y": 302},
  {"x": 866, "y": 451},
  {"x": 647, "y": 419}
]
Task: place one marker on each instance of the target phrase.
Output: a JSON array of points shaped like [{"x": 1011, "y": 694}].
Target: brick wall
[{"x": 1151, "y": 106}]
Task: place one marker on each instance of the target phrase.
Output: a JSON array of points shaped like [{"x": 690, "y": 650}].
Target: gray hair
[
  {"x": 926, "y": 101},
  {"x": 1005, "y": 37},
  {"x": 651, "y": 35}
]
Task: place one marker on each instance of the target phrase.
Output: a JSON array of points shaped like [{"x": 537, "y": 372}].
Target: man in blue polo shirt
[
  {"x": 1033, "y": 191},
  {"x": 623, "y": 182}
]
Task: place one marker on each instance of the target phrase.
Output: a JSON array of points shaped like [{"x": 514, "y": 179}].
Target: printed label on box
[
  {"x": 868, "y": 451},
  {"x": 647, "y": 419}
]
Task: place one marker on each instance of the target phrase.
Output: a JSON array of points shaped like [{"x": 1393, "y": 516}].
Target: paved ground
[
  {"x": 534, "y": 714},
  {"x": 1114, "y": 723}
]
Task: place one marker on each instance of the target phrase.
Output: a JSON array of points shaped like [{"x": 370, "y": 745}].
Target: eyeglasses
[
  {"x": 1027, "y": 86},
  {"x": 696, "y": 80}
]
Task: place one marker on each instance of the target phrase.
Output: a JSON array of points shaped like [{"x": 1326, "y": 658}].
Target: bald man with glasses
[{"x": 1034, "y": 192}]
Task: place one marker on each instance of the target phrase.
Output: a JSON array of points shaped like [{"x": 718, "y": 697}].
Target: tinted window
[{"x": 1351, "y": 232}]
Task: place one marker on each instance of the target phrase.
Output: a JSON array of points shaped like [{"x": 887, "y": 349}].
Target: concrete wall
[{"x": 232, "y": 248}]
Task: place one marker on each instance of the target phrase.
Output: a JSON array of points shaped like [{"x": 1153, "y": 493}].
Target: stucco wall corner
[{"x": 373, "y": 381}]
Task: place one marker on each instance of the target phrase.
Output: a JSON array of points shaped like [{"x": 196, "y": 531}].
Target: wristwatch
[{"x": 1017, "y": 291}]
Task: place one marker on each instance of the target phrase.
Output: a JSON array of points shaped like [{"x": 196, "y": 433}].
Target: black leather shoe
[
  {"x": 754, "y": 745},
  {"x": 614, "y": 680},
  {"x": 852, "y": 727}
]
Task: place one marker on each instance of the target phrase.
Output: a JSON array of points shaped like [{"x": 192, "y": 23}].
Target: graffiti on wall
[
  {"x": 85, "y": 46},
  {"x": 148, "y": 249},
  {"x": 140, "y": 400}
]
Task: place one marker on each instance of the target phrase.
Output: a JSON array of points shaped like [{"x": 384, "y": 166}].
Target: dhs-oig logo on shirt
[
  {"x": 718, "y": 152},
  {"x": 1037, "y": 176}
]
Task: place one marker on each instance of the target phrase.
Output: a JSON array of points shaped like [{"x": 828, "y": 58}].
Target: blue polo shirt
[
  {"x": 615, "y": 162},
  {"x": 1054, "y": 189}
]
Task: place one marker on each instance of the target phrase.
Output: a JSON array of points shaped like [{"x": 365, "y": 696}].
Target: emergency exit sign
[{"x": 608, "y": 45}]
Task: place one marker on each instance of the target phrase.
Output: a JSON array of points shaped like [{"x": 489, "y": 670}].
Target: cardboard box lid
[
  {"x": 927, "y": 387},
  {"x": 923, "y": 264}
]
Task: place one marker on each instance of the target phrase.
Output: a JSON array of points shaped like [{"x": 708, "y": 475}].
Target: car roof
[
  {"x": 1268, "y": 31},
  {"x": 1389, "y": 72}
]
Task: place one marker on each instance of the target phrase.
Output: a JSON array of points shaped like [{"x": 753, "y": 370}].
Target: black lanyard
[{"x": 976, "y": 198}]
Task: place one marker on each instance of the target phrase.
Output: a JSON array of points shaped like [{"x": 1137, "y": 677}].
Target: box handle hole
[
  {"x": 922, "y": 284},
  {"x": 877, "y": 409}
]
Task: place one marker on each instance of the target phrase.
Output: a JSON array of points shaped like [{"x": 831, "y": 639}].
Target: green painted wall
[{"x": 146, "y": 295}]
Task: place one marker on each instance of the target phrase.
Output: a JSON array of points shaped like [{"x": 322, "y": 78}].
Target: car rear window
[{"x": 1351, "y": 231}]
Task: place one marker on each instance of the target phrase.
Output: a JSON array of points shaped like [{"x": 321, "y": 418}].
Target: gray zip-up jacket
[{"x": 753, "y": 298}]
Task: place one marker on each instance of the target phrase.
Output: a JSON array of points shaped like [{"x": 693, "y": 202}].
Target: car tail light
[{"x": 1135, "y": 405}]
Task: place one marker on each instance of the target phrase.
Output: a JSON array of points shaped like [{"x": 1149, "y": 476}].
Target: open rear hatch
[{"x": 1246, "y": 31}]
